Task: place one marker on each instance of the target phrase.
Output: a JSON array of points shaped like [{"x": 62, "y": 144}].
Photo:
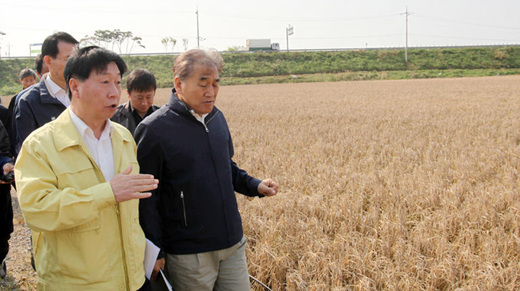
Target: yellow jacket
[{"x": 82, "y": 238}]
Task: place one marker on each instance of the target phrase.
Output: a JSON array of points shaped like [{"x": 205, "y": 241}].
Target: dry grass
[{"x": 385, "y": 185}]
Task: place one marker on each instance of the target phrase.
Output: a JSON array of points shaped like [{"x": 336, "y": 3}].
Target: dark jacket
[
  {"x": 6, "y": 210},
  {"x": 34, "y": 108},
  {"x": 126, "y": 117},
  {"x": 194, "y": 209}
]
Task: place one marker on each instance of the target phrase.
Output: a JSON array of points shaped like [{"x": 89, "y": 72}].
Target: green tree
[
  {"x": 166, "y": 41},
  {"x": 116, "y": 38},
  {"x": 185, "y": 42}
]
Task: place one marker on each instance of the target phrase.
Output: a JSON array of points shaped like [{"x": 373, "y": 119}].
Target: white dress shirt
[
  {"x": 100, "y": 149},
  {"x": 56, "y": 91}
]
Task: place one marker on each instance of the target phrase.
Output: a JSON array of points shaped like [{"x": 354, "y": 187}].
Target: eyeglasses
[{"x": 63, "y": 59}]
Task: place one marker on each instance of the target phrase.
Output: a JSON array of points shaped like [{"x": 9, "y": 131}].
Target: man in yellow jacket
[{"x": 83, "y": 215}]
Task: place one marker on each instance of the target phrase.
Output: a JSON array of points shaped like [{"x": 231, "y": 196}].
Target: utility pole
[
  {"x": 1, "y": 33},
  {"x": 289, "y": 31},
  {"x": 198, "y": 38},
  {"x": 406, "y": 46}
]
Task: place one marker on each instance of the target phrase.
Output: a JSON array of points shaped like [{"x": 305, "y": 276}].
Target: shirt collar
[
  {"x": 85, "y": 130},
  {"x": 53, "y": 88},
  {"x": 198, "y": 117}
]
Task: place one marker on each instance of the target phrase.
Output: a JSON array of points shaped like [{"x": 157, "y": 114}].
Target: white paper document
[
  {"x": 150, "y": 257},
  {"x": 166, "y": 282}
]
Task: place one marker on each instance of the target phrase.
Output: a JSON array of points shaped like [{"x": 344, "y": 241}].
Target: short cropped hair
[
  {"x": 84, "y": 60},
  {"x": 140, "y": 80},
  {"x": 26, "y": 73},
  {"x": 184, "y": 64},
  {"x": 50, "y": 44},
  {"x": 38, "y": 62}
]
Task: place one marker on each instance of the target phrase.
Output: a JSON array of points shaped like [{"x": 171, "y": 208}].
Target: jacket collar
[
  {"x": 178, "y": 106},
  {"x": 126, "y": 110},
  {"x": 45, "y": 95},
  {"x": 66, "y": 135}
]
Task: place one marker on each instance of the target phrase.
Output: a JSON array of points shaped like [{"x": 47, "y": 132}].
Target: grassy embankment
[{"x": 283, "y": 67}]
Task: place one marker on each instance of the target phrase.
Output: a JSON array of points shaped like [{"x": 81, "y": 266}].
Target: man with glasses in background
[{"x": 45, "y": 101}]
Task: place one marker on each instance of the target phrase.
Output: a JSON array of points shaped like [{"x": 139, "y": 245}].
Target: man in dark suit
[{"x": 140, "y": 87}]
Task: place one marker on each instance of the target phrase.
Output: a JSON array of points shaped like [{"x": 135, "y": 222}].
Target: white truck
[{"x": 263, "y": 44}]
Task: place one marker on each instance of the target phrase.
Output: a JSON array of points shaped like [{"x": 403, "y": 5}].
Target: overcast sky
[{"x": 325, "y": 24}]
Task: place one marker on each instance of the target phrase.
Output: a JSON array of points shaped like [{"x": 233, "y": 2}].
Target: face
[
  {"x": 57, "y": 65},
  {"x": 96, "y": 98},
  {"x": 141, "y": 100},
  {"x": 28, "y": 81},
  {"x": 200, "y": 90}
]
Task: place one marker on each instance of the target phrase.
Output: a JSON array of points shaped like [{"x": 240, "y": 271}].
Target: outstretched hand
[
  {"x": 126, "y": 186},
  {"x": 268, "y": 187}
]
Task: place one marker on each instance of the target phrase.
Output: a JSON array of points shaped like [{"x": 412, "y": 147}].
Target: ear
[
  {"x": 47, "y": 60},
  {"x": 177, "y": 84},
  {"x": 127, "y": 93},
  {"x": 74, "y": 87}
]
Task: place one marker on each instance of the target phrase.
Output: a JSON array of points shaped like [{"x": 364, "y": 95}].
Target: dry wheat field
[{"x": 384, "y": 185}]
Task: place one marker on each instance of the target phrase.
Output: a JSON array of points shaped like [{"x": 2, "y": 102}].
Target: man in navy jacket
[
  {"x": 46, "y": 100},
  {"x": 193, "y": 215}
]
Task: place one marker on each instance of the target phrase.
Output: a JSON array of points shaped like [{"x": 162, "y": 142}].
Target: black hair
[
  {"x": 38, "y": 62},
  {"x": 84, "y": 60},
  {"x": 140, "y": 80},
  {"x": 50, "y": 44},
  {"x": 26, "y": 73}
]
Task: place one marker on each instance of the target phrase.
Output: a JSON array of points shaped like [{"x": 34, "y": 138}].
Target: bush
[{"x": 273, "y": 64}]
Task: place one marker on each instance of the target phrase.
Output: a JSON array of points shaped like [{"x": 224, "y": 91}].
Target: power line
[
  {"x": 305, "y": 19},
  {"x": 467, "y": 23},
  {"x": 463, "y": 37}
]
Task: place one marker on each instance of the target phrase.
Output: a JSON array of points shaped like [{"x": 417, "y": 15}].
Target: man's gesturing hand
[
  {"x": 126, "y": 186},
  {"x": 268, "y": 187}
]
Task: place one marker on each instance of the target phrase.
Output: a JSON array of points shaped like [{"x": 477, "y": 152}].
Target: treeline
[{"x": 269, "y": 67}]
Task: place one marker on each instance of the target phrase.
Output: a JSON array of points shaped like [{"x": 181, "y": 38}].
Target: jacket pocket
[
  {"x": 81, "y": 163},
  {"x": 83, "y": 253},
  {"x": 93, "y": 225},
  {"x": 79, "y": 174}
]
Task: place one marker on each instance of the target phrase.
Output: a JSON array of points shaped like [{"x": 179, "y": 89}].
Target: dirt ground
[{"x": 20, "y": 275}]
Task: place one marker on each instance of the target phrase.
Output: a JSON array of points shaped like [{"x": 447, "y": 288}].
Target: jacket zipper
[
  {"x": 184, "y": 209},
  {"x": 205, "y": 123},
  {"x": 216, "y": 113},
  {"x": 214, "y": 163}
]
